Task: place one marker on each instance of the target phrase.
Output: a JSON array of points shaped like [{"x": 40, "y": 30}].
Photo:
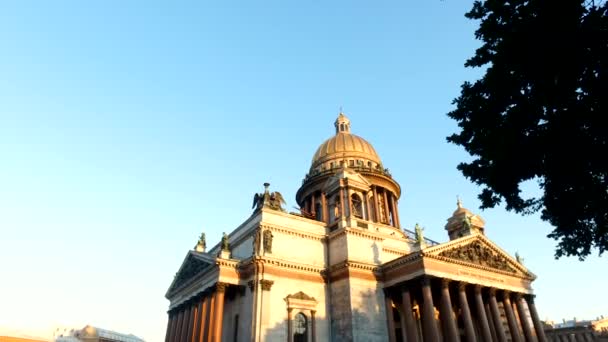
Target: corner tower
[{"x": 347, "y": 182}]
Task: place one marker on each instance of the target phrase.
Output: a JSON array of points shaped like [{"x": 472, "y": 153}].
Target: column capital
[
  {"x": 518, "y": 296},
  {"x": 425, "y": 281},
  {"x": 404, "y": 288},
  {"x": 266, "y": 284},
  {"x": 445, "y": 283},
  {"x": 478, "y": 289},
  {"x": 462, "y": 286},
  {"x": 530, "y": 298},
  {"x": 221, "y": 287},
  {"x": 492, "y": 291}
]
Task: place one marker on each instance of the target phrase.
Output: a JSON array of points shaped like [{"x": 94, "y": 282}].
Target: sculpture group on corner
[{"x": 272, "y": 200}]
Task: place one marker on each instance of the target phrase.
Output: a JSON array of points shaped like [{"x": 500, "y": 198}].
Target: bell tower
[{"x": 463, "y": 222}]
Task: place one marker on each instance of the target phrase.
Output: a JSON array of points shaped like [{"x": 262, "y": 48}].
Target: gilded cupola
[
  {"x": 346, "y": 181},
  {"x": 344, "y": 149}
]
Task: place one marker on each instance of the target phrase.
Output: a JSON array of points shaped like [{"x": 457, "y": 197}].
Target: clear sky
[{"x": 128, "y": 127}]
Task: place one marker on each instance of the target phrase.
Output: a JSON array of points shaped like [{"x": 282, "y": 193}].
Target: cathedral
[{"x": 343, "y": 268}]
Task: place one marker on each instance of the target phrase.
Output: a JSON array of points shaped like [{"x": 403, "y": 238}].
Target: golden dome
[
  {"x": 460, "y": 209},
  {"x": 345, "y": 148}
]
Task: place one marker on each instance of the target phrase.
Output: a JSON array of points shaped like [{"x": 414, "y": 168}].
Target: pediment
[
  {"x": 301, "y": 296},
  {"x": 301, "y": 300},
  {"x": 478, "y": 251},
  {"x": 354, "y": 179},
  {"x": 194, "y": 264}
]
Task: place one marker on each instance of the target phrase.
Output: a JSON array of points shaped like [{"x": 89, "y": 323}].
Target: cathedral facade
[{"x": 343, "y": 269}]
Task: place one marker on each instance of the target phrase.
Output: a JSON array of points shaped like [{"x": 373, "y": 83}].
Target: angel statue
[{"x": 273, "y": 200}]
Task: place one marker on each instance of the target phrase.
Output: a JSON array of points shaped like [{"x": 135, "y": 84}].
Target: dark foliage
[{"x": 539, "y": 113}]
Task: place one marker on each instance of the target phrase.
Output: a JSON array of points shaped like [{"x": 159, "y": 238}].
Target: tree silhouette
[{"x": 539, "y": 113}]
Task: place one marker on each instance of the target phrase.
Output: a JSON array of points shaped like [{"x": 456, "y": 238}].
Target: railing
[
  {"x": 358, "y": 168},
  {"x": 412, "y": 236}
]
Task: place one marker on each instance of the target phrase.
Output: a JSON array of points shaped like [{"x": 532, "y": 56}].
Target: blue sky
[{"x": 126, "y": 129}]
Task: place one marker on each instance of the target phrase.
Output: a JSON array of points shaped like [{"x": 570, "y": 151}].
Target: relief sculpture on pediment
[
  {"x": 191, "y": 269},
  {"x": 477, "y": 253}
]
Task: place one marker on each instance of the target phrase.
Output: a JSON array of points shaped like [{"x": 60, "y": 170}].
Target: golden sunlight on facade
[{"x": 343, "y": 269}]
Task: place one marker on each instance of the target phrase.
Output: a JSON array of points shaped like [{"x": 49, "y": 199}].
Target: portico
[
  {"x": 199, "y": 319},
  {"x": 464, "y": 290}
]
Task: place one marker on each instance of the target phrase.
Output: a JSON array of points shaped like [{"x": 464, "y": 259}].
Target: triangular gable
[
  {"x": 194, "y": 263},
  {"x": 478, "y": 250},
  {"x": 354, "y": 178}
]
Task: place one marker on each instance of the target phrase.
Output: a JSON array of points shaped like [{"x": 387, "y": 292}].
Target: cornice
[
  {"x": 291, "y": 265},
  {"x": 353, "y": 269},
  {"x": 354, "y": 265},
  {"x": 357, "y": 232},
  {"x": 394, "y": 251},
  {"x": 294, "y": 232},
  {"x": 477, "y": 266},
  {"x": 407, "y": 259},
  {"x": 228, "y": 262}
]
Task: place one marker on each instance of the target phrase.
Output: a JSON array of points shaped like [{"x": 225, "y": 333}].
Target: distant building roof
[{"x": 90, "y": 332}]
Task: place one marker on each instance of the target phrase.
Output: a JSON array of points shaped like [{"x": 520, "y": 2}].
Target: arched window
[
  {"x": 357, "y": 205},
  {"x": 300, "y": 328}
]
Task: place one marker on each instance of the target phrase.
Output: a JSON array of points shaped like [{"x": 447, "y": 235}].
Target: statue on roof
[
  {"x": 466, "y": 222},
  {"x": 273, "y": 200},
  {"x": 224, "y": 243},
  {"x": 419, "y": 236},
  {"x": 518, "y": 258},
  {"x": 201, "y": 245}
]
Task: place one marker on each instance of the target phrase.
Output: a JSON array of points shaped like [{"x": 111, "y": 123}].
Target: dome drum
[{"x": 316, "y": 180}]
